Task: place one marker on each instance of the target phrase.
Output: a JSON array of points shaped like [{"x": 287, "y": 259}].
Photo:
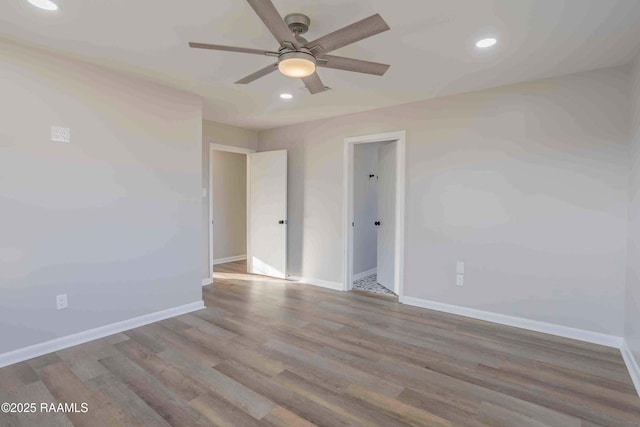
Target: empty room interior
[{"x": 329, "y": 213}]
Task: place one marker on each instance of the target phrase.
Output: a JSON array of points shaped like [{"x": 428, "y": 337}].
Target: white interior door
[
  {"x": 386, "y": 214},
  {"x": 267, "y": 228}
]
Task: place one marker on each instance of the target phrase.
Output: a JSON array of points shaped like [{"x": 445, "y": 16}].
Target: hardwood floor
[{"x": 268, "y": 352}]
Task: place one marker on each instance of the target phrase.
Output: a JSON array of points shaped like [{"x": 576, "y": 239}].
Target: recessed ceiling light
[
  {"x": 44, "y": 4},
  {"x": 486, "y": 42},
  {"x": 286, "y": 96}
]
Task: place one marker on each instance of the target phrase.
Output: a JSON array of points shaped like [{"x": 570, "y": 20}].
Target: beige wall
[
  {"x": 229, "y": 172},
  {"x": 217, "y": 133},
  {"x": 220, "y": 133},
  {"x": 526, "y": 183},
  {"x": 112, "y": 219},
  {"x": 632, "y": 307},
  {"x": 365, "y": 207}
]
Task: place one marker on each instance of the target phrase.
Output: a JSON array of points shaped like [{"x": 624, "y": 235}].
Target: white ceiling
[{"x": 430, "y": 47}]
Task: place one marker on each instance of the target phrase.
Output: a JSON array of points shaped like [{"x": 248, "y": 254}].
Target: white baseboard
[
  {"x": 519, "y": 322},
  {"x": 229, "y": 259},
  {"x": 632, "y": 365},
  {"x": 364, "y": 274},
  {"x": 207, "y": 281},
  {"x": 337, "y": 286},
  {"x": 56, "y": 344}
]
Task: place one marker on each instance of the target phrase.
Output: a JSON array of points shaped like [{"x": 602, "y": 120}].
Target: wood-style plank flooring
[{"x": 268, "y": 352}]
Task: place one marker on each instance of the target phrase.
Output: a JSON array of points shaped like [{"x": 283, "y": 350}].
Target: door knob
[
  {"x": 282, "y": 221},
  {"x": 377, "y": 223}
]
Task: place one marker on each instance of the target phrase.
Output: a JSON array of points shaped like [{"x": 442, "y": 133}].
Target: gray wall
[
  {"x": 217, "y": 133},
  {"x": 527, "y": 183},
  {"x": 365, "y": 207},
  {"x": 632, "y": 308},
  {"x": 112, "y": 219},
  {"x": 229, "y": 171}
]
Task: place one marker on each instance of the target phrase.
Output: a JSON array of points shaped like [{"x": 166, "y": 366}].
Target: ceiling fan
[{"x": 297, "y": 57}]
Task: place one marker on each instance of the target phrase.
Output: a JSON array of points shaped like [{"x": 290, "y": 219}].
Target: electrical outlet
[
  {"x": 460, "y": 279},
  {"x": 61, "y": 302},
  {"x": 60, "y": 134}
]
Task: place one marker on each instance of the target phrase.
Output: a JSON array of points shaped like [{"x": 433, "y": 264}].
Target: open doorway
[
  {"x": 374, "y": 213},
  {"x": 372, "y": 265},
  {"x": 247, "y": 210},
  {"x": 227, "y": 204}
]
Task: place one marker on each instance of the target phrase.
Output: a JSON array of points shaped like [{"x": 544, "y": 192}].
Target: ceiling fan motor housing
[
  {"x": 302, "y": 53},
  {"x": 298, "y": 23}
]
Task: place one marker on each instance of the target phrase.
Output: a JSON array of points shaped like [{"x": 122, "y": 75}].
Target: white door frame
[
  {"x": 213, "y": 146},
  {"x": 349, "y": 143}
]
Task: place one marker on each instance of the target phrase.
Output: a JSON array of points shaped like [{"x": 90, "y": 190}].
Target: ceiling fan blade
[
  {"x": 350, "y": 34},
  {"x": 314, "y": 84},
  {"x": 355, "y": 65},
  {"x": 274, "y": 22},
  {"x": 260, "y": 73},
  {"x": 232, "y": 49}
]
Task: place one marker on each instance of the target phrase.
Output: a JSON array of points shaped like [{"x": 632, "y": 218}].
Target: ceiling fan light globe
[
  {"x": 297, "y": 67},
  {"x": 297, "y": 64}
]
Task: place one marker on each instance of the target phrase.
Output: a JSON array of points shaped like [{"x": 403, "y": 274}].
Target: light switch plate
[
  {"x": 460, "y": 267},
  {"x": 61, "y": 302},
  {"x": 60, "y": 134}
]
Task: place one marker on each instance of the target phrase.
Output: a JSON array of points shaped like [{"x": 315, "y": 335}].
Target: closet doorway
[{"x": 374, "y": 213}]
